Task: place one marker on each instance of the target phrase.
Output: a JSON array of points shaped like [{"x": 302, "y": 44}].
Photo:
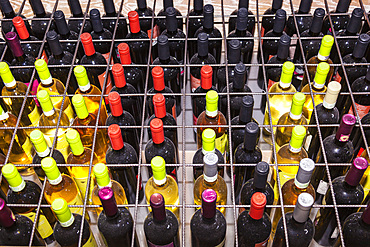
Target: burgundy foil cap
[
  {"x": 366, "y": 215},
  {"x": 356, "y": 171},
  {"x": 209, "y": 198},
  {"x": 345, "y": 127},
  {"x": 157, "y": 205},
  {"x": 108, "y": 201},
  {"x": 14, "y": 44},
  {"x": 7, "y": 217}
]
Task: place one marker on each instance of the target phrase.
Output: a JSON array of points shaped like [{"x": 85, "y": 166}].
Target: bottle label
[
  {"x": 43, "y": 56},
  {"x": 335, "y": 233},
  {"x": 69, "y": 112},
  {"x": 271, "y": 82},
  {"x": 337, "y": 77},
  {"x": 262, "y": 244},
  {"x": 43, "y": 226},
  {"x": 27, "y": 147},
  {"x": 262, "y": 32},
  {"x": 140, "y": 183},
  {"x": 81, "y": 184},
  {"x": 106, "y": 56},
  {"x": 221, "y": 142},
  {"x": 34, "y": 116},
  {"x": 195, "y": 83},
  {"x": 33, "y": 90},
  {"x": 109, "y": 86},
  {"x": 153, "y": 31},
  {"x": 362, "y": 110},
  {"x": 365, "y": 181},
  {"x": 90, "y": 242},
  {"x": 174, "y": 111},
  {"x": 322, "y": 188},
  {"x": 155, "y": 245}
]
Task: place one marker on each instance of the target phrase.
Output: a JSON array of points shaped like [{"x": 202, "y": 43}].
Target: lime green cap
[
  {"x": 5, "y": 73},
  {"x": 42, "y": 69},
  {"x": 102, "y": 175},
  {"x": 13, "y": 177},
  {"x": 78, "y": 102},
  {"x": 287, "y": 74},
  {"x": 38, "y": 140},
  {"x": 45, "y": 101},
  {"x": 63, "y": 213},
  {"x": 298, "y": 134},
  {"x": 2, "y": 110},
  {"x": 297, "y": 104},
  {"x": 321, "y": 74},
  {"x": 208, "y": 140},
  {"x": 51, "y": 170},
  {"x": 74, "y": 140},
  {"x": 212, "y": 103},
  {"x": 159, "y": 170},
  {"x": 81, "y": 75},
  {"x": 325, "y": 48}
]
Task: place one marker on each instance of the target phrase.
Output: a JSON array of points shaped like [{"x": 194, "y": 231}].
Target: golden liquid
[
  {"x": 283, "y": 134},
  {"x": 312, "y": 70},
  {"x": 168, "y": 190},
  {"x": 308, "y": 104},
  {"x": 219, "y": 186},
  {"x": 119, "y": 195}
]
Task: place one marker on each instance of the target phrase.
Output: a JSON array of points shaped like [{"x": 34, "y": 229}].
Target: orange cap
[
  {"x": 20, "y": 27},
  {"x": 115, "y": 104},
  {"x": 133, "y": 18},
  {"x": 156, "y": 127},
  {"x": 158, "y": 78},
  {"x": 124, "y": 53},
  {"x": 159, "y": 103},
  {"x": 206, "y": 77},
  {"x": 87, "y": 43},
  {"x": 258, "y": 203},
  {"x": 115, "y": 136},
  {"x": 118, "y": 75}
]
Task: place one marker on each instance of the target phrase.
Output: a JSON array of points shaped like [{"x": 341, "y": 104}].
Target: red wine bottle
[
  {"x": 146, "y": 23},
  {"x": 76, "y": 24},
  {"x": 39, "y": 26},
  {"x": 303, "y": 22},
  {"x": 251, "y": 19},
  {"x": 268, "y": 21},
  {"x": 195, "y": 18},
  {"x": 348, "y": 191},
  {"x": 254, "y": 226},
  {"x": 161, "y": 22},
  {"x": 357, "y": 138},
  {"x": 123, "y": 153},
  {"x": 8, "y": 14},
  {"x": 339, "y": 21},
  {"x": 208, "y": 224},
  {"x": 109, "y": 20}
]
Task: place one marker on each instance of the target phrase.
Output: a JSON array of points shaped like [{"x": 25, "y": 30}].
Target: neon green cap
[
  {"x": 45, "y": 101},
  {"x": 74, "y": 140},
  {"x": 102, "y": 175},
  {"x": 78, "y": 102},
  {"x": 38, "y": 140},
  {"x": 50, "y": 168},
  {"x": 287, "y": 73},
  {"x": 2, "y": 110},
  {"x": 298, "y": 134},
  {"x": 159, "y": 169},
  {"x": 321, "y": 74},
  {"x": 297, "y": 103},
  {"x": 325, "y": 47},
  {"x": 208, "y": 140},
  {"x": 42, "y": 69},
  {"x": 5, "y": 73},
  {"x": 61, "y": 210},
  {"x": 12, "y": 175},
  {"x": 81, "y": 75},
  {"x": 212, "y": 103}
]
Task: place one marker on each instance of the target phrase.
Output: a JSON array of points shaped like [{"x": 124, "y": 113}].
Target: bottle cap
[
  {"x": 6, "y": 75},
  {"x": 246, "y": 110},
  {"x": 156, "y": 127},
  {"x": 298, "y": 135},
  {"x": 286, "y": 74},
  {"x": 45, "y": 102},
  {"x": 305, "y": 170},
  {"x": 258, "y": 203},
  {"x": 211, "y": 103},
  {"x": 280, "y": 20},
  {"x": 171, "y": 21},
  {"x": 261, "y": 172},
  {"x": 283, "y": 47},
  {"x": 297, "y": 105},
  {"x": 124, "y": 53},
  {"x": 54, "y": 44},
  {"x": 51, "y": 170},
  {"x": 321, "y": 74},
  {"x": 251, "y": 136},
  {"x": 37, "y": 7},
  {"x": 366, "y": 215},
  {"x": 356, "y": 171},
  {"x": 102, "y": 175},
  {"x": 38, "y": 140},
  {"x": 109, "y": 7},
  {"x": 95, "y": 19},
  {"x": 163, "y": 47},
  {"x": 355, "y": 23},
  {"x": 158, "y": 78},
  {"x": 303, "y": 207},
  {"x": 157, "y": 205},
  {"x": 158, "y": 166},
  {"x": 79, "y": 104},
  {"x": 61, "y": 23},
  {"x": 361, "y": 45},
  {"x": 345, "y": 127},
  {"x": 233, "y": 51},
  {"x": 209, "y": 198},
  {"x": 14, "y": 44},
  {"x": 6, "y": 7},
  {"x": 202, "y": 44},
  {"x": 133, "y": 18},
  {"x": 43, "y": 70},
  {"x": 159, "y": 103},
  {"x": 208, "y": 11},
  {"x": 2, "y": 112},
  {"x": 118, "y": 75},
  {"x": 75, "y": 7},
  {"x": 242, "y": 19},
  {"x": 305, "y": 6},
  {"x": 208, "y": 140},
  {"x": 82, "y": 79},
  {"x": 11, "y": 174},
  {"x": 141, "y": 4},
  {"x": 343, "y": 6},
  {"x": 87, "y": 43},
  {"x": 331, "y": 95},
  {"x": 20, "y": 27},
  {"x": 325, "y": 48},
  {"x": 7, "y": 218},
  {"x": 74, "y": 140},
  {"x": 317, "y": 20},
  {"x": 198, "y": 5},
  {"x": 206, "y": 73},
  {"x": 108, "y": 201},
  {"x": 115, "y": 137},
  {"x": 115, "y": 103},
  {"x": 210, "y": 170},
  {"x": 240, "y": 74},
  {"x": 277, "y": 4},
  {"x": 63, "y": 213}
]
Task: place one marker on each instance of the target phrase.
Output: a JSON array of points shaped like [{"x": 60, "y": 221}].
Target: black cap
[
  {"x": 261, "y": 171},
  {"x": 198, "y": 5},
  {"x": 37, "y": 7},
  {"x": 240, "y": 73},
  {"x": 343, "y": 6},
  {"x": 243, "y": 4},
  {"x": 355, "y": 23},
  {"x": 54, "y": 44},
  {"x": 368, "y": 75},
  {"x": 283, "y": 47},
  {"x": 277, "y": 4},
  {"x": 75, "y": 7},
  {"x": 208, "y": 16},
  {"x": 250, "y": 136},
  {"x": 61, "y": 23},
  {"x": 233, "y": 51},
  {"x": 202, "y": 44},
  {"x": 171, "y": 22},
  {"x": 279, "y": 22},
  {"x": 6, "y": 7},
  {"x": 96, "y": 20},
  {"x": 305, "y": 6},
  {"x": 163, "y": 48},
  {"x": 361, "y": 46},
  {"x": 246, "y": 110},
  {"x": 242, "y": 19},
  {"x": 141, "y": 4},
  {"x": 109, "y": 6},
  {"x": 317, "y": 20},
  {"x": 167, "y": 3}
]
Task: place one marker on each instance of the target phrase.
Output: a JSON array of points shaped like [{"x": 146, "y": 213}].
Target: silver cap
[
  {"x": 305, "y": 170},
  {"x": 303, "y": 207},
  {"x": 210, "y": 171}
]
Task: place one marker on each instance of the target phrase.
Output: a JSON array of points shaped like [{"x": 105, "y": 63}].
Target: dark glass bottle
[
  {"x": 214, "y": 46},
  {"x": 195, "y": 18},
  {"x": 298, "y": 224},
  {"x": 161, "y": 22},
  {"x": 357, "y": 138},
  {"x": 268, "y": 21},
  {"x": 161, "y": 227},
  {"x": 123, "y": 153},
  {"x": 208, "y": 225},
  {"x": 348, "y": 191},
  {"x": 8, "y": 14},
  {"x": 76, "y": 24},
  {"x": 146, "y": 23},
  {"x": 251, "y": 18},
  {"x": 254, "y": 226},
  {"x": 303, "y": 22},
  {"x": 109, "y": 20},
  {"x": 39, "y": 26},
  {"x": 339, "y": 21}
]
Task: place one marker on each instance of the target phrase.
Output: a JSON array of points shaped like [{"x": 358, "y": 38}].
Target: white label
[
  {"x": 322, "y": 188},
  {"x": 335, "y": 233}
]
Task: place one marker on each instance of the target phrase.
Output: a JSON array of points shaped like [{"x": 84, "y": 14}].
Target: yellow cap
[
  {"x": 325, "y": 47},
  {"x": 42, "y": 69},
  {"x": 208, "y": 140},
  {"x": 81, "y": 75},
  {"x": 61, "y": 210},
  {"x": 5, "y": 73},
  {"x": 297, "y": 103},
  {"x": 298, "y": 134},
  {"x": 50, "y": 168},
  {"x": 102, "y": 175},
  {"x": 321, "y": 74},
  {"x": 287, "y": 73},
  {"x": 45, "y": 101},
  {"x": 212, "y": 103},
  {"x": 38, "y": 140},
  {"x": 13, "y": 177},
  {"x": 74, "y": 140},
  {"x": 78, "y": 102},
  {"x": 159, "y": 168}
]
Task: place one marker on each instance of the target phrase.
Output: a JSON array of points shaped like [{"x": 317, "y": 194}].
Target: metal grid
[{"x": 183, "y": 127}]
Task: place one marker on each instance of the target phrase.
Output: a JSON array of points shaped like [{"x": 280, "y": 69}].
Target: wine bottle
[
  {"x": 210, "y": 180},
  {"x": 322, "y": 56},
  {"x": 196, "y": 18},
  {"x": 247, "y": 152},
  {"x": 327, "y": 113},
  {"x": 338, "y": 149},
  {"x": 208, "y": 225},
  {"x": 299, "y": 226},
  {"x": 109, "y": 22},
  {"x": 93, "y": 103},
  {"x": 163, "y": 221},
  {"x": 8, "y": 14},
  {"x": 208, "y": 146},
  {"x": 254, "y": 226},
  {"x": 268, "y": 21},
  {"x": 279, "y": 103},
  {"x": 339, "y": 21},
  {"x": 60, "y": 185},
  {"x": 103, "y": 180},
  {"x": 357, "y": 138},
  {"x": 27, "y": 192},
  {"x": 303, "y": 22},
  {"x": 201, "y": 58},
  {"x": 86, "y": 119},
  {"x": 67, "y": 229},
  {"x": 289, "y": 120},
  {"x": 162, "y": 146},
  {"x": 16, "y": 230},
  {"x": 8, "y": 56},
  {"x": 123, "y": 153},
  {"x": 257, "y": 184},
  {"x": 146, "y": 23},
  {"x": 115, "y": 224},
  {"x": 317, "y": 86},
  {"x": 161, "y": 22},
  {"x": 123, "y": 118},
  {"x": 76, "y": 20},
  {"x": 251, "y": 18},
  {"x": 59, "y": 56},
  {"x": 348, "y": 191},
  {"x": 53, "y": 87},
  {"x": 164, "y": 184},
  {"x": 50, "y": 117},
  {"x": 40, "y": 23}
]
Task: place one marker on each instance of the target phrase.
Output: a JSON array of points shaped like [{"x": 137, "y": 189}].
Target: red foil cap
[
  {"x": 115, "y": 136},
  {"x": 7, "y": 218},
  {"x": 158, "y": 78},
  {"x": 356, "y": 171},
  {"x": 156, "y": 127},
  {"x": 20, "y": 27},
  {"x": 209, "y": 198},
  {"x": 206, "y": 77},
  {"x": 118, "y": 75},
  {"x": 157, "y": 205},
  {"x": 258, "y": 203},
  {"x": 108, "y": 201},
  {"x": 115, "y": 104},
  {"x": 345, "y": 128},
  {"x": 159, "y": 103},
  {"x": 133, "y": 18},
  {"x": 124, "y": 53},
  {"x": 87, "y": 43}
]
